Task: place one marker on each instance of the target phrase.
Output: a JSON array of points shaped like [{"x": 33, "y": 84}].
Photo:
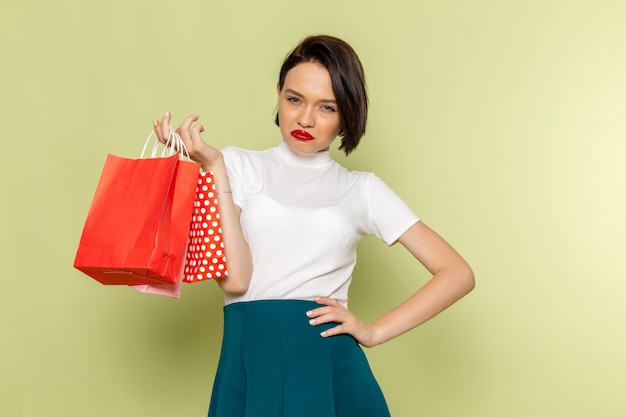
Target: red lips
[{"x": 301, "y": 135}]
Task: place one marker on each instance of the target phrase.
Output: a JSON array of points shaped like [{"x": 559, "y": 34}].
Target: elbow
[
  {"x": 461, "y": 277},
  {"x": 238, "y": 279},
  {"x": 233, "y": 287},
  {"x": 468, "y": 278},
  {"x": 238, "y": 289},
  {"x": 236, "y": 283}
]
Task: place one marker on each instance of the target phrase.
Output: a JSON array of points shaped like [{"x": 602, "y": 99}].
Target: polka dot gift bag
[{"x": 205, "y": 252}]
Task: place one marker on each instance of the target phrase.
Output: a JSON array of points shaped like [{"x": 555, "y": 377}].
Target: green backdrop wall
[{"x": 501, "y": 123}]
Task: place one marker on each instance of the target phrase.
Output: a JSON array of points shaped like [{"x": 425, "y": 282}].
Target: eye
[
  {"x": 293, "y": 99},
  {"x": 329, "y": 108}
]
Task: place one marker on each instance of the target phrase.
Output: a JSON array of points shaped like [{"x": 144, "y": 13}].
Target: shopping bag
[
  {"x": 205, "y": 258},
  {"x": 168, "y": 290},
  {"x": 137, "y": 227}
]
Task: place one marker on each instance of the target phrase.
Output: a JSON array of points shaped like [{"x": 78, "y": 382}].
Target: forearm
[
  {"x": 444, "y": 289},
  {"x": 238, "y": 258},
  {"x": 452, "y": 278}
]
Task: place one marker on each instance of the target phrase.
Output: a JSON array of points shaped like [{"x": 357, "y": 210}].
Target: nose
[{"x": 306, "y": 118}]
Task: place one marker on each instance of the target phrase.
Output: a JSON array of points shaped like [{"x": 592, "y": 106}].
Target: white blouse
[{"x": 302, "y": 216}]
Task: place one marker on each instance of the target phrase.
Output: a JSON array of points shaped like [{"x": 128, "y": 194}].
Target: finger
[
  {"x": 326, "y": 301},
  {"x": 333, "y": 331},
  {"x": 317, "y": 312},
  {"x": 156, "y": 128},
  {"x": 332, "y": 315},
  {"x": 184, "y": 130},
  {"x": 322, "y": 319},
  {"x": 185, "y": 126},
  {"x": 326, "y": 316},
  {"x": 196, "y": 130},
  {"x": 165, "y": 127},
  {"x": 329, "y": 303}
]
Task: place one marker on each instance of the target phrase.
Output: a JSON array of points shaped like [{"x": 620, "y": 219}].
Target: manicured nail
[
  {"x": 154, "y": 122},
  {"x": 309, "y": 313},
  {"x": 323, "y": 334},
  {"x": 312, "y": 321},
  {"x": 166, "y": 114}
]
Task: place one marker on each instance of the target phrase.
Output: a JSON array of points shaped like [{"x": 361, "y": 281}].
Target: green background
[{"x": 501, "y": 123}]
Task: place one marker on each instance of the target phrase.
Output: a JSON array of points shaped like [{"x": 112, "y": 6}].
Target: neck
[{"x": 313, "y": 160}]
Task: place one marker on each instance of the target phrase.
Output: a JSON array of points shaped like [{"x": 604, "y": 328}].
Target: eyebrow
[{"x": 295, "y": 93}]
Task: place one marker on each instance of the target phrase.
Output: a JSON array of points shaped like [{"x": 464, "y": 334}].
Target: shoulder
[
  {"x": 373, "y": 186},
  {"x": 367, "y": 184},
  {"x": 237, "y": 155},
  {"x": 364, "y": 178},
  {"x": 236, "y": 152}
]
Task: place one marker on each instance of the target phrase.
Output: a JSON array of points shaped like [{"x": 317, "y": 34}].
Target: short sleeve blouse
[{"x": 303, "y": 215}]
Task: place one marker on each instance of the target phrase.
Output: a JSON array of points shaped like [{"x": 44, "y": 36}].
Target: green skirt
[{"x": 275, "y": 364}]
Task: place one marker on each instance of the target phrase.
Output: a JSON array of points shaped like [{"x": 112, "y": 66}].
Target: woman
[{"x": 291, "y": 218}]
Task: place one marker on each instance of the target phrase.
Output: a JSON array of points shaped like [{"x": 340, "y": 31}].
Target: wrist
[
  {"x": 378, "y": 334},
  {"x": 216, "y": 164},
  {"x": 372, "y": 337}
]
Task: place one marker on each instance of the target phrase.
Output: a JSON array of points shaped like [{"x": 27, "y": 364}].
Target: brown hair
[{"x": 347, "y": 77}]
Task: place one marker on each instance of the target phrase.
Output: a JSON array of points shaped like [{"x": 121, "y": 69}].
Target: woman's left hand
[{"x": 348, "y": 323}]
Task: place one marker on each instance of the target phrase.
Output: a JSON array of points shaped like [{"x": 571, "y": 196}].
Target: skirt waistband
[{"x": 271, "y": 305}]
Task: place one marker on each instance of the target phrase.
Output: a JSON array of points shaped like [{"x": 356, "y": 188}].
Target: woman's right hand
[
  {"x": 199, "y": 151},
  {"x": 211, "y": 159}
]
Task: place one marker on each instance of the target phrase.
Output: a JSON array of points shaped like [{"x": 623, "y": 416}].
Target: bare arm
[
  {"x": 452, "y": 279},
  {"x": 238, "y": 255},
  {"x": 211, "y": 159}
]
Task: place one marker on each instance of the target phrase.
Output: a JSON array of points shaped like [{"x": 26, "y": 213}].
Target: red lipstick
[{"x": 301, "y": 135}]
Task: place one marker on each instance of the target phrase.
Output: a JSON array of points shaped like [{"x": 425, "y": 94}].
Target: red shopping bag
[
  {"x": 169, "y": 290},
  {"x": 206, "y": 258},
  {"x": 137, "y": 227}
]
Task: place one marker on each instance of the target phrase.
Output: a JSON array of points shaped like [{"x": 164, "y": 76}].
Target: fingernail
[
  {"x": 166, "y": 114},
  {"x": 154, "y": 122},
  {"x": 309, "y": 313},
  {"x": 316, "y": 299},
  {"x": 323, "y": 334},
  {"x": 312, "y": 321}
]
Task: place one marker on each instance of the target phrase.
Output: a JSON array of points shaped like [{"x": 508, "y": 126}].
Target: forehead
[{"x": 311, "y": 77}]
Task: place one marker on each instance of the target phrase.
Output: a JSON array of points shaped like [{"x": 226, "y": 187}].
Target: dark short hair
[{"x": 347, "y": 77}]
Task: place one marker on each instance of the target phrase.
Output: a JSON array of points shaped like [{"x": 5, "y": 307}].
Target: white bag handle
[{"x": 174, "y": 144}]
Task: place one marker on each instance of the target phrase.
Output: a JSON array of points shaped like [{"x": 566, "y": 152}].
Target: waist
[{"x": 277, "y": 306}]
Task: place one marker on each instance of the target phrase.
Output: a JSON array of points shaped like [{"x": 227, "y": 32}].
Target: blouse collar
[{"x": 311, "y": 160}]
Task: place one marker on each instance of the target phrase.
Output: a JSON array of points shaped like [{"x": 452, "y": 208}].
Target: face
[{"x": 308, "y": 115}]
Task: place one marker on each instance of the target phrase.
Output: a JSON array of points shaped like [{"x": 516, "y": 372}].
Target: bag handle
[{"x": 174, "y": 143}]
